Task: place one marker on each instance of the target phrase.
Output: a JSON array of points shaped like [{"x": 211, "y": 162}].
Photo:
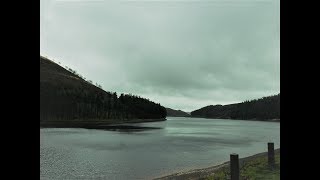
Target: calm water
[{"x": 181, "y": 144}]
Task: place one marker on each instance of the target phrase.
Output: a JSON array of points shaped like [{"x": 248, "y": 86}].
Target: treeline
[
  {"x": 266, "y": 108},
  {"x": 141, "y": 107},
  {"x": 66, "y": 96}
]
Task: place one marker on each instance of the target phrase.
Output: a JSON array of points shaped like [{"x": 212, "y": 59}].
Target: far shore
[
  {"x": 263, "y": 120},
  {"x": 203, "y": 173},
  {"x": 100, "y": 124},
  {"x": 94, "y": 124}
]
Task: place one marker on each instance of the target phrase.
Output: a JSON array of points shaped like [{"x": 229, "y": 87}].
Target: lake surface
[{"x": 180, "y": 144}]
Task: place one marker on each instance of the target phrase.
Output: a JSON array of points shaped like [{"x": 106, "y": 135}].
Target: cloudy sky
[{"x": 184, "y": 54}]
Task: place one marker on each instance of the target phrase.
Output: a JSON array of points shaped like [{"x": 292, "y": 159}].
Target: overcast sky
[{"x": 184, "y": 54}]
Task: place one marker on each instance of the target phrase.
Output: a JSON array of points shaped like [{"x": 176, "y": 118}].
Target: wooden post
[
  {"x": 271, "y": 160},
  {"x": 234, "y": 166}
]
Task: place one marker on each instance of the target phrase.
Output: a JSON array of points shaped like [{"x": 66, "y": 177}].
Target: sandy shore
[{"x": 205, "y": 172}]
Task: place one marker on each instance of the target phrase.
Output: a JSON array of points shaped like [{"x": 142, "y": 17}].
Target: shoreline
[
  {"x": 94, "y": 124},
  {"x": 195, "y": 174},
  {"x": 260, "y": 120}
]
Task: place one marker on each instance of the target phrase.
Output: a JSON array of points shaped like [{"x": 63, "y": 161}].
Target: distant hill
[
  {"x": 176, "y": 113},
  {"x": 266, "y": 108},
  {"x": 67, "y": 99}
]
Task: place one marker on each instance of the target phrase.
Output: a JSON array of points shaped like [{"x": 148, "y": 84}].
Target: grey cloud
[{"x": 183, "y": 55}]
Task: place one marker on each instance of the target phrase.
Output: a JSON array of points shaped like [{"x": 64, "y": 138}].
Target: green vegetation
[
  {"x": 255, "y": 169},
  {"x": 266, "y": 108},
  {"x": 65, "y": 96}
]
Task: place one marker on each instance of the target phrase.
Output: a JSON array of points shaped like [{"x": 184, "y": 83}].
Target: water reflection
[{"x": 126, "y": 128}]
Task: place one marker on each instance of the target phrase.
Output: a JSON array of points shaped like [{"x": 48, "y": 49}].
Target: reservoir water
[{"x": 180, "y": 144}]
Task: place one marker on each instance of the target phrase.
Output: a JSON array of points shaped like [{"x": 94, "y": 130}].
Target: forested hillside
[
  {"x": 66, "y": 96},
  {"x": 176, "y": 113},
  {"x": 266, "y": 108}
]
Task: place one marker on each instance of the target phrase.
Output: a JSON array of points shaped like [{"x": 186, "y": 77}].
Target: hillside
[
  {"x": 266, "y": 108},
  {"x": 67, "y": 99},
  {"x": 176, "y": 113}
]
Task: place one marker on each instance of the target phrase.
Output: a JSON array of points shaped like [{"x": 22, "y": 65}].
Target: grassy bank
[
  {"x": 256, "y": 168},
  {"x": 251, "y": 168}
]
